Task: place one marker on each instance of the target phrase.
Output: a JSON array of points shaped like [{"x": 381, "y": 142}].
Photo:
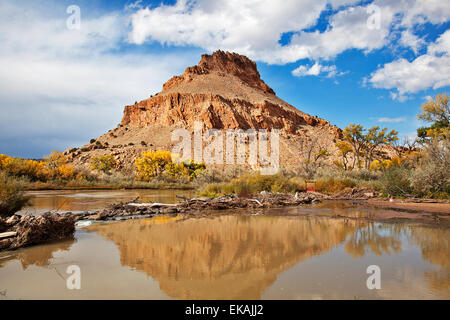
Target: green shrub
[
  {"x": 432, "y": 175},
  {"x": 334, "y": 184},
  {"x": 12, "y": 198},
  {"x": 254, "y": 183},
  {"x": 396, "y": 182},
  {"x": 104, "y": 163}
]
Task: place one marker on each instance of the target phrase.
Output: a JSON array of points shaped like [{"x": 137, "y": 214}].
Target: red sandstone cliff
[{"x": 224, "y": 91}]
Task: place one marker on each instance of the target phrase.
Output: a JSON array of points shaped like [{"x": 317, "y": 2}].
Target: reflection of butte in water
[{"x": 228, "y": 257}]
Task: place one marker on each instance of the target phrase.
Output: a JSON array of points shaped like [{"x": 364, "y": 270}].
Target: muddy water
[
  {"x": 278, "y": 256},
  {"x": 85, "y": 200}
]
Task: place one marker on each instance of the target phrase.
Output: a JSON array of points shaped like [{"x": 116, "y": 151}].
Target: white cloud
[
  {"x": 315, "y": 70},
  {"x": 409, "y": 39},
  {"x": 232, "y": 24},
  {"x": 422, "y": 11},
  {"x": 429, "y": 70},
  {"x": 255, "y": 27},
  {"x": 392, "y": 120},
  {"x": 60, "y": 87}
]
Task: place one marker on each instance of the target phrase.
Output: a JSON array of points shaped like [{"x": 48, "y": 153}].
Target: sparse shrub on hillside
[{"x": 104, "y": 163}]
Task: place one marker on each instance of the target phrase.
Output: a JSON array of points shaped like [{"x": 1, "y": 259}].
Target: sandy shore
[{"x": 431, "y": 206}]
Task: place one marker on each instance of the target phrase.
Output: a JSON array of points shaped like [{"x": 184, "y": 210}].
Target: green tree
[
  {"x": 104, "y": 163},
  {"x": 354, "y": 134},
  {"x": 344, "y": 150},
  {"x": 376, "y": 137},
  {"x": 55, "y": 159},
  {"x": 152, "y": 163},
  {"x": 12, "y": 198},
  {"x": 435, "y": 111}
]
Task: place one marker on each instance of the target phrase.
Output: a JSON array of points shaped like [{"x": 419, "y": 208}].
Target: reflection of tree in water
[
  {"x": 228, "y": 257},
  {"x": 38, "y": 255},
  {"x": 433, "y": 242},
  {"x": 435, "y": 246},
  {"x": 371, "y": 237}
]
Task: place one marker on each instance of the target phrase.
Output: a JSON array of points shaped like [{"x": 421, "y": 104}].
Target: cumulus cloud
[
  {"x": 254, "y": 28},
  {"x": 428, "y": 70},
  {"x": 392, "y": 120},
  {"x": 61, "y": 87},
  {"x": 410, "y": 40},
  {"x": 315, "y": 70}
]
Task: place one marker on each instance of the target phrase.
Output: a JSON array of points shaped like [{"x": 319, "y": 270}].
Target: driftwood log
[{"x": 20, "y": 231}]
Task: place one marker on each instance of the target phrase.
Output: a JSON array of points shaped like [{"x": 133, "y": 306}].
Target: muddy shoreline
[{"x": 413, "y": 205}]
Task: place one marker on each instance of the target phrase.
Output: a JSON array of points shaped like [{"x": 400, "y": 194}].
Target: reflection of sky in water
[
  {"x": 237, "y": 257},
  {"x": 75, "y": 201}
]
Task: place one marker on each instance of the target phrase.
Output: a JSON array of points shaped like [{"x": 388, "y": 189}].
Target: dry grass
[{"x": 253, "y": 183}]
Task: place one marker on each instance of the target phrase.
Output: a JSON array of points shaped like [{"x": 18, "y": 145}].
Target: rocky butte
[{"x": 224, "y": 91}]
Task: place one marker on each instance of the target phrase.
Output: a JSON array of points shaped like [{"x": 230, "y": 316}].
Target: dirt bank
[{"x": 413, "y": 205}]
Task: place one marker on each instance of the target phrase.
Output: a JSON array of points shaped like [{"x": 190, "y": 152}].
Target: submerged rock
[{"x": 31, "y": 230}]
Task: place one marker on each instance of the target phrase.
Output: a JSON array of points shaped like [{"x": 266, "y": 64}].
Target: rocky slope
[{"x": 224, "y": 91}]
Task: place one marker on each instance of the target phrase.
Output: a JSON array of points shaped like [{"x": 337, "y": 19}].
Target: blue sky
[{"x": 369, "y": 62}]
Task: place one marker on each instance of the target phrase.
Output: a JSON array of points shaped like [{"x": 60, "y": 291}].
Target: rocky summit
[{"x": 224, "y": 91}]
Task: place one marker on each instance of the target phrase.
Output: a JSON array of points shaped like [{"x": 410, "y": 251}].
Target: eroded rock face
[
  {"x": 217, "y": 112},
  {"x": 223, "y": 63},
  {"x": 224, "y": 91}
]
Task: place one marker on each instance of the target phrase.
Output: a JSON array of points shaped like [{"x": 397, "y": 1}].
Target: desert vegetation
[
  {"x": 12, "y": 197},
  {"x": 373, "y": 158}
]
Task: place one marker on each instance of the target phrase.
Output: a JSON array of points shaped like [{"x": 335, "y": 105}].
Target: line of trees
[{"x": 364, "y": 145}]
